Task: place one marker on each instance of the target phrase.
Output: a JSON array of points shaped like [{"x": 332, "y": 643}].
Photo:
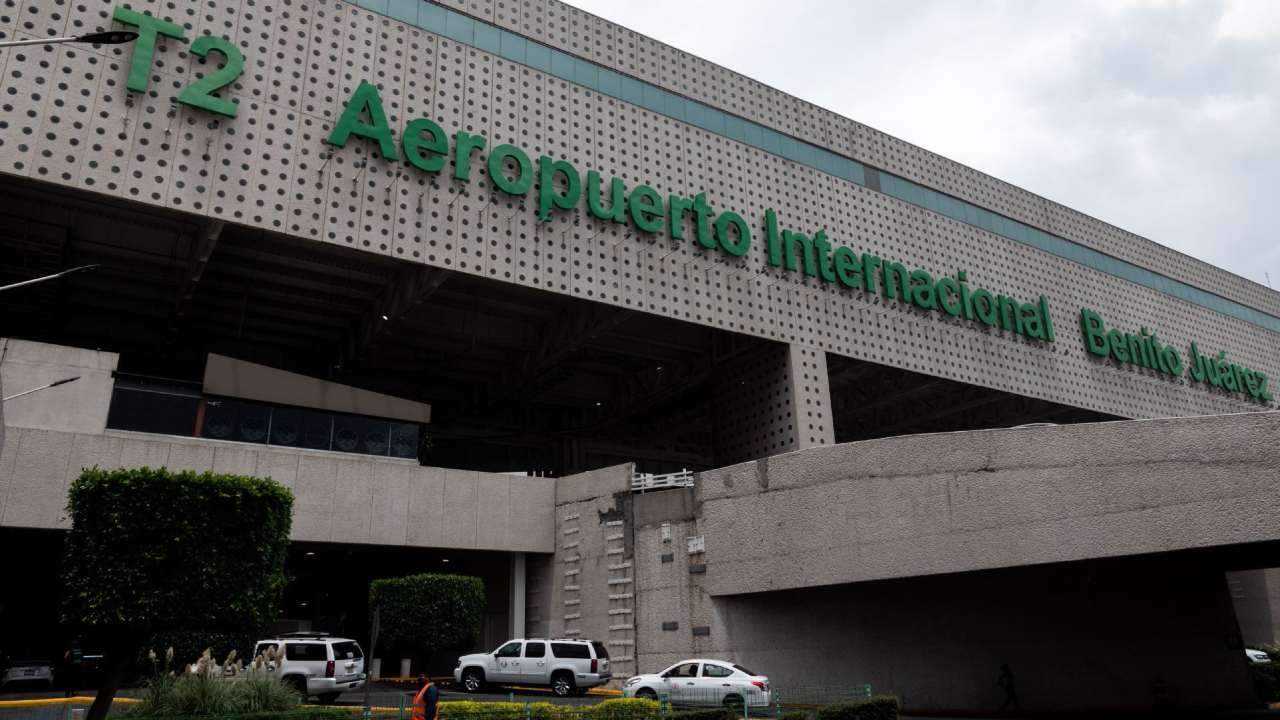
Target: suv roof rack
[{"x": 302, "y": 634}]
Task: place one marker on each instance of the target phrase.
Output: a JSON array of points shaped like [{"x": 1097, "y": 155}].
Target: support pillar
[
  {"x": 770, "y": 400},
  {"x": 517, "y": 601}
]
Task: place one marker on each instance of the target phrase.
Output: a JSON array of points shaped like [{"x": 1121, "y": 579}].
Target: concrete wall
[
  {"x": 80, "y": 406},
  {"x": 1116, "y": 634},
  {"x": 241, "y": 379},
  {"x": 593, "y": 591},
  {"x": 337, "y": 497},
  {"x": 950, "y": 502}
]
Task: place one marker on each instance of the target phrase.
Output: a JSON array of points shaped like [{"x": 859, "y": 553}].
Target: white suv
[
  {"x": 567, "y": 666},
  {"x": 316, "y": 664}
]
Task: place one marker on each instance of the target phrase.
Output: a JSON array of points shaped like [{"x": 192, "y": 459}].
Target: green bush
[
  {"x": 882, "y": 707},
  {"x": 795, "y": 715},
  {"x": 153, "y": 552},
  {"x": 429, "y": 612},
  {"x": 305, "y": 713},
  {"x": 625, "y": 709},
  {"x": 1266, "y": 680},
  {"x": 708, "y": 714}
]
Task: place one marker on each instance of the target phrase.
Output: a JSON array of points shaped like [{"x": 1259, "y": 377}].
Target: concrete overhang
[{"x": 956, "y": 502}]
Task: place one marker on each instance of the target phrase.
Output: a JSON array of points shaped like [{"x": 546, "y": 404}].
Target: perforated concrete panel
[
  {"x": 770, "y": 400},
  {"x": 66, "y": 118}
]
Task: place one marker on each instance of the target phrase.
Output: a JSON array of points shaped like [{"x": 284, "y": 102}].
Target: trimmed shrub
[
  {"x": 468, "y": 710},
  {"x": 881, "y": 707},
  {"x": 306, "y": 713},
  {"x": 707, "y": 714},
  {"x": 1266, "y": 680},
  {"x": 625, "y": 709},
  {"x": 429, "y": 612},
  {"x": 152, "y": 552}
]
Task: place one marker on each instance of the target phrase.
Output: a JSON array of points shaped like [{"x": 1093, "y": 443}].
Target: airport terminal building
[{"x": 671, "y": 359}]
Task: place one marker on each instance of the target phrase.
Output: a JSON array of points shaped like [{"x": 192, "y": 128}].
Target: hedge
[
  {"x": 707, "y": 714},
  {"x": 306, "y": 713},
  {"x": 429, "y": 611},
  {"x": 881, "y": 707}
]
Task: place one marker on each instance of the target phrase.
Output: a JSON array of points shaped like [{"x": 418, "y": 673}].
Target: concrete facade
[
  {"x": 337, "y": 498},
  {"x": 470, "y": 227},
  {"x": 952, "y": 502},
  {"x": 79, "y": 407}
]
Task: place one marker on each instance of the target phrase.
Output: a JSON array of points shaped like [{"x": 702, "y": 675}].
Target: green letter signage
[
  {"x": 365, "y": 99},
  {"x": 144, "y": 47}
]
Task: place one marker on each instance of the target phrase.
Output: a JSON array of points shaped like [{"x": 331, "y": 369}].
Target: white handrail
[{"x": 646, "y": 482}]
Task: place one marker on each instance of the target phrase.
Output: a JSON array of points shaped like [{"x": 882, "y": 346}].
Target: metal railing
[{"x": 647, "y": 482}]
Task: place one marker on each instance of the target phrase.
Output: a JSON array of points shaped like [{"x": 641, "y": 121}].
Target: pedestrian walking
[{"x": 426, "y": 703}]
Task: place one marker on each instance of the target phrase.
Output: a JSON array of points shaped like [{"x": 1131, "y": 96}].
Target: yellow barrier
[{"x": 73, "y": 700}]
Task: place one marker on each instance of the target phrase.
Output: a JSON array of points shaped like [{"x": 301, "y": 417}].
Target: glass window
[
  {"x": 715, "y": 671},
  {"x": 404, "y": 10},
  {"x": 459, "y": 27},
  {"x": 570, "y": 650},
  {"x": 294, "y": 427},
  {"x": 488, "y": 38},
  {"x": 347, "y": 650},
  {"x": 305, "y": 651},
  {"x": 510, "y": 650},
  {"x": 687, "y": 670},
  {"x": 360, "y": 435},
  {"x": 677, "y": 107},
  {"x": 378, "y": 6},
  {"x": 535, "y": 649},
  {"x": 601, "y": 651},
  {"x": 632, "y": 91},
  {"x": 432, "y": 17},
  {"x": 610, "y": 83},
  {"x": 263, "y": 647},
  {"x": 538, "y": 56},
  {"x": 754, "y": 134},
  {"x": 587, "y": 74},
  {"x": 404, "y": 440},
  {"x": 562, "y": 65},
  {"x": 238, "y": 420},
  {"x": 743, "y": 670},
  {"x": 152, "y": 409},
  {"x": 652, "y": 98},
  {"x": 513, "y": 46}
]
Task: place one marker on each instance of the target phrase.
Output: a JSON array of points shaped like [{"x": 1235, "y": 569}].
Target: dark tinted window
[
  {"x": 743, "y": 670},
  {"x": 510, "y": 650},
  {"x": 293, "y": 427},
  {"x": 236, "y": 420},
  {"x": 404, "y": 440},
  {"x": 305, "y": 651},
  {"x": 715, "y": 671},
  {"x": 360, "y": 435},
  {"x": 153, "y": 409},
  {"x": 535, "y": 650},
  {"x": 570, "y": 650},
  {"x": 686, "y": 670},
  {"x": 347, "y": 651},
  {"x": 601, "y": 651}
]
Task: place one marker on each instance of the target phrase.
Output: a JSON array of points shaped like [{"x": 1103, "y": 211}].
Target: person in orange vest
[{"x": 427, "y": 702}]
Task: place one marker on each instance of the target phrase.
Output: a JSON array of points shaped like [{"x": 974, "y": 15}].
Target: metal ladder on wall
[
  {"x": 570, "y": 543},
  {"x": 622, "y": 602}
]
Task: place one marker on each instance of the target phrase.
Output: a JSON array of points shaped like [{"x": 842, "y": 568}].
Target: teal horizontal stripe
[{"x": 503, "y": 43}]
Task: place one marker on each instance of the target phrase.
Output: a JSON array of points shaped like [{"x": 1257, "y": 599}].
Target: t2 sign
[{"x": 198, "y": 94}]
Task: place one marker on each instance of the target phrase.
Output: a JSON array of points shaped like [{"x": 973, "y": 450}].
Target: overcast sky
[{"x": 1160, "y": 117}]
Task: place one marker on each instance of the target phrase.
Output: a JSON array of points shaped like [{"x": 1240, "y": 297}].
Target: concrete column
[
  {"x": 771, "y": 400},
  {"x": 517, "y": 610}
]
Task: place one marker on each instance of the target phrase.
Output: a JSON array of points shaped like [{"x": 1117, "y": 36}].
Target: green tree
[
  {"x": 153, "y": 552},
  {"x": 429, "y": 612}
]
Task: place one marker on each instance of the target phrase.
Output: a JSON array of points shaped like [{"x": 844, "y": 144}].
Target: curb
[{"x": 73, "y": 700}]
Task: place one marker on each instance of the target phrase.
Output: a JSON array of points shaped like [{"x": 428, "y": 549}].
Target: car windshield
[{"x": 741, "y": 669}]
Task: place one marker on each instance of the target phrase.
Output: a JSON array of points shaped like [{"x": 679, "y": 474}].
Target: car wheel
[
  {"x": 472, "y": 680},
  {"x": 562, "y": 684},
  {"x": 299, "y": 683},
  {"x": 329, "y": 698},
  {"x": 646, "y": 694},
  {"x": 733, "y": 702}
]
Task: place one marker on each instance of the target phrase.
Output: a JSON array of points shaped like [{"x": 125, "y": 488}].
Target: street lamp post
[{"x": 111, "y": 37}]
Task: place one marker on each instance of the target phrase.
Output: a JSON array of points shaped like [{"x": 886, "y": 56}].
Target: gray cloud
[{"x": 1159, "y": 117}]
